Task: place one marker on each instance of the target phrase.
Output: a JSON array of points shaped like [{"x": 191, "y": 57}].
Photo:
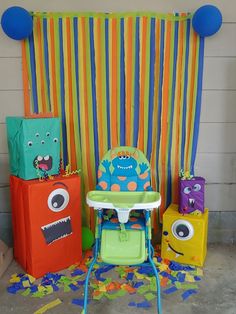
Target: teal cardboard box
[{"x": 34, "y": 146}]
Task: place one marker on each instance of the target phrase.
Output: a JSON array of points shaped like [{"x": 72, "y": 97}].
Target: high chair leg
[
  {"x": 150, "y": 249},
  {"x": 88, "y": 275}
]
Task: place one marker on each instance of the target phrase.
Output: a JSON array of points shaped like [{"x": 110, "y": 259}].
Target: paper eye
[
  {"x": 42, "y": 142},
  {"x": 55, "y": 140},
  {"x": 36, "y": 134},
  {"x": 182, "y": 230},
  {"x": 58, "y": 200},
  {"x": 48, "y": 134},
  {"x": 187, "y": 190},
  {"x": 197, "y": 187},
  {"x": 30, "y": 143}
]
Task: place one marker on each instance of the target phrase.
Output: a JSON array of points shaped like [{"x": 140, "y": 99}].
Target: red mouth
[{"x": 43, "y": 163}]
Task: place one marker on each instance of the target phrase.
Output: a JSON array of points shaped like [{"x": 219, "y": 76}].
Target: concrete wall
[{"x": 216, "y": 157}]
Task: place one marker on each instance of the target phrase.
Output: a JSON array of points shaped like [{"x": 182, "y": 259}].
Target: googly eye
[
  {"x": 42, "y": 142},
  {"x": 48, "y": 134},
  {"x": 197, "y": 187},
  {"x": 187, "y": 190},
  {"x": 36, "y": 134},
  {"x": 55, "y": 140},
  {"x": 120, "y": 157},
  {"x": 58, "y": 200},
  {"x": 182, "y": 230},
  {"x": 30, "y": 143}
]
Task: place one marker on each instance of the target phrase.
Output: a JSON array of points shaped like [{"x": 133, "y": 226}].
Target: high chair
[{"x": 123, "y": 201}]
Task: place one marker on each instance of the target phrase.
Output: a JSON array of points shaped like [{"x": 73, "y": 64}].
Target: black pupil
[
  {"x": 182, "y": 231},
  {"x": 57, "y": 201}
]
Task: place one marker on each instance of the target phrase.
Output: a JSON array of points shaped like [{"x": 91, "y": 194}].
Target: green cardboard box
[{"x": 34, "y": 146}]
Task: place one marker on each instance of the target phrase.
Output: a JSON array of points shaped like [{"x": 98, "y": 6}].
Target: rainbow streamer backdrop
[{"x": 118, "y": 79}]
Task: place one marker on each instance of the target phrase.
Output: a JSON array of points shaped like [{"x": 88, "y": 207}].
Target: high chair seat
[{"x": 118, "y": 251}]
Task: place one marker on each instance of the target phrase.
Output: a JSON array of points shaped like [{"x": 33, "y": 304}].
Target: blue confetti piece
[
  {"x": 79, "y": 302},
  {"x": 181, "y": 277},
  {"x": 73, "y": 287},
  {"x": 55, "y": 288},
  {"x": 197, "y": 278},
  {"x": 12, "y": 289},
  {"x": 138, "y": 284},
  {"x": 33, "y": 288},
  {"x": 188, "y": 293},
  {"x": 132, "y": 304},
  {"x": 77, "y": 272},
  {"x": 130, "y": 276},
  {"x": 170, "y": 290},
  {"x": 144, "y": 304},
  {"x": 159, "y": 259},
  {"x": 81, "y": 282}
]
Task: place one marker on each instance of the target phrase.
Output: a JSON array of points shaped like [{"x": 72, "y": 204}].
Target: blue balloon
[
  {"x": 207, "y": 20},
  {"x": 17, "y": 23}
]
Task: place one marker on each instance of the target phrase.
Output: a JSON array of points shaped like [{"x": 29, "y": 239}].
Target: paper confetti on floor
[{"x": 132, "y": 280}]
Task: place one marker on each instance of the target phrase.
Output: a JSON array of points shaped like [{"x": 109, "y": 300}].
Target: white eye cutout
[
  {"x": 182, "y": 230},
  {"x": 58, "y": 200},
  {"x": 55, "y": 140},
  {"x": 48, "y": 134},
  {"x": 42, "y": 142},
  {"x": 30, "y": 143},
  {"x": 187, "y": 190},
  {"x": 197, "y": 187},
  {"x": 36, "y": 134}
]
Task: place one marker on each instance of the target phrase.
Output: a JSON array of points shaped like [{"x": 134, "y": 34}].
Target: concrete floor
[{"x": 217, "y": 293}]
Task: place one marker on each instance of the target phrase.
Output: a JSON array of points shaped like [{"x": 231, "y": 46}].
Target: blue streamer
[
  {"x": 94, "y": 101},
  {"x": 185, "y": 95},
  {"x": 198, "y": 104},
  {"x": 137, "y": 87},
  {"x": 62, "y": 85},
  {"x": 45, "y": 40},
  {"x": 169, "y": 176},
  {"x": 107, "y": 83},
  {"x": 122, "y": 84},
  {"x": 151, "y": 88},
  {"x": 33, "y": 74}
]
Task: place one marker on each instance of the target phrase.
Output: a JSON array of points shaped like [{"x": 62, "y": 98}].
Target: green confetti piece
[
  {"x": 26, "y": 292},
  {"x": 149, "y": 296},
  {"x": 66, "y": 289},
  {"x": 143, "y": 289},
  {"x": 153, "y": 284},
  {"x": 98, "y": 297},
  {"x": 187, "y": 286},
  {"x": 178, "y": 285}
]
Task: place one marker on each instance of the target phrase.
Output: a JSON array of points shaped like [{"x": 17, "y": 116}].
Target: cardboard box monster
[{"x": 46, "y": 223}]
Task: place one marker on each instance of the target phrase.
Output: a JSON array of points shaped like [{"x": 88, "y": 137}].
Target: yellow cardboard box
[{"x": 184, "y": 237}]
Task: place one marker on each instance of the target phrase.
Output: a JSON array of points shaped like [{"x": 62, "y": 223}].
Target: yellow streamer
[{"x": 48, "y": 306}]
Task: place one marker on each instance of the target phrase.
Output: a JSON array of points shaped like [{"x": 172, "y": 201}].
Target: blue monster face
[{"x": 124, "y": 165}]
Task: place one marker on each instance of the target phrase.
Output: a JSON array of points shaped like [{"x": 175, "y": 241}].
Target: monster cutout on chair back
[{"x": 124, "y": 169}]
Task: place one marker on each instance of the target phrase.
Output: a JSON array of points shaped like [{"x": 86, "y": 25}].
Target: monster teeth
[
  {"x": 168, "y": 248},
  {"x": 177, "y": 255}
]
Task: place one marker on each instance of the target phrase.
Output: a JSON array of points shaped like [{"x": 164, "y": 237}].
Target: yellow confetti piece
[
  {"x": 139, "y": 276},
  {"x": 199, "y": 272},
  {"x": 26, "y": 284},
  {"x": 103, "y": 289},
  {"x": 189, "y": 278},
  {"x": 14, "y": 280},
  {"x": 31, "y": 278},
  {"x": 163, "y": 267},
  {"x": 48, "y": 306}
]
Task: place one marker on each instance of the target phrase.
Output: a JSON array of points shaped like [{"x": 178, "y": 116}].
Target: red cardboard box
[{"x": 46, "y": 218}]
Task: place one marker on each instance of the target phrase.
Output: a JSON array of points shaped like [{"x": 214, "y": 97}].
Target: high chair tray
[{"x": 124, "y": 200}]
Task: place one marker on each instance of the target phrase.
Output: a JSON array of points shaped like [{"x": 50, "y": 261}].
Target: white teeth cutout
[
  {"x": 56, "y": 222},
  {"x": 46, "y": 157},
  {"x": 177, "y": 255},
  {"x": 168, "y": 248},
  {"x": 39, "y": 158}
]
